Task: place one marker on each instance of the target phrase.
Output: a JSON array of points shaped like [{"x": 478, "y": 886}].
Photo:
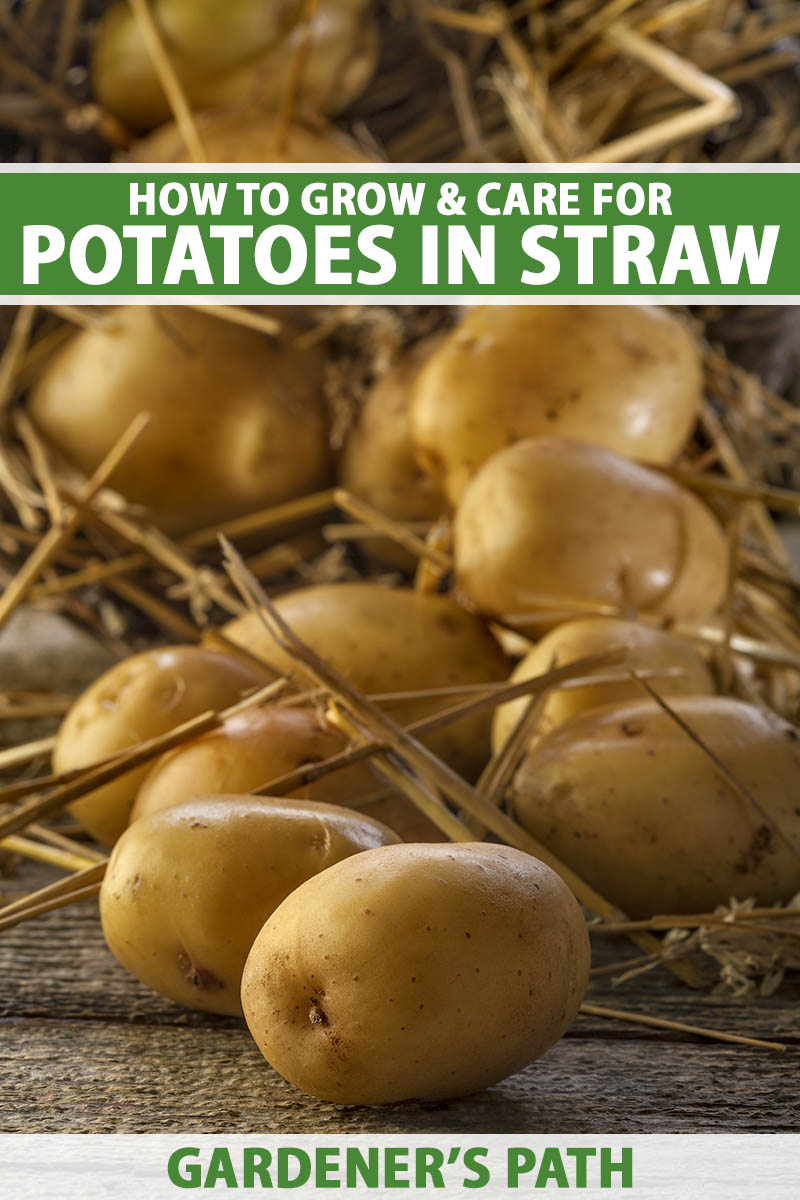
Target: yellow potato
[
  {"x": 646, "y": 649},
  {"x": 239, "y": 52},
  {"x": 378, "y": 462},
  {"x": 626, "y": 798},
  {"x": 238, "y": 423},
  {"x": 392, "y": 640},
  {"x": 341, "y": 59},
  {"x": 625, "y": 377},
  {"x": 259, "y": 745},
  {"x": 551, "y": 522},
  {"x": 140, "y": 698},
  {"x": 416, "y": 973},
  {"x": 249, "y": 136},
  {"x": 188, "y": 889}
]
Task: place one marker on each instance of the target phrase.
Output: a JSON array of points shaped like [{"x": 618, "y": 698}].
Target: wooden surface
[{"x": 85, "y": 1048}]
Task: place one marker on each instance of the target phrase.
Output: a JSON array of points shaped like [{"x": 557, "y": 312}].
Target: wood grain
[
  {"x": 85, "y": 1048},
  {"x": 92, "y": 1077}
]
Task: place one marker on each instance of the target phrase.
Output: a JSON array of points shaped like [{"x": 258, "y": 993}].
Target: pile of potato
[
  {"x": 236, "y": 64},
  {"x": 375, "y": 961},
  {"x": 203, "y": 898}
]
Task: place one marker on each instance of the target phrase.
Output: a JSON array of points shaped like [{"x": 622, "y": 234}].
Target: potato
[
  {"x": 245, "y": 137},
  {"x": 341, "y": 59},
  {"x": 140, "y": 698},
  {"x": 238, "y": 422},
  {"x": 416, "y": 973},
  {"x": 235, "y": 53},
  {"x": 626, "y": 798},
  {"x": 625, "y": 377},
  {"x": 256, "y": 746},
  {"x": 188, "y": 889},
  {"x": 550, "y": 521},
  {"x": 646, "y": 649},
  {"x": 392, "y": 640},
  {"x": 378, "y": 462}
]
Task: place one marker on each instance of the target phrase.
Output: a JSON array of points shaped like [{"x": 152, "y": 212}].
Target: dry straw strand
[
  {"x": 52, "y": 856},
  {"x": 718, "y": 103},
  {"x": 297, "y": 69},
  {"x": 15, "y": 348},
  {"x": 396, "y": 530},
  {"x": 616, "y": 1014},
  {"x": 46, "y": 906},
  {"x": 168, "y": 78},
  {"x": 53, "y": 891},
  {"x": 58, "y": 536}
]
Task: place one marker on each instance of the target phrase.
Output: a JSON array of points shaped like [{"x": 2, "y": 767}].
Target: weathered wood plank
[{"x": 90, "y": 1077}]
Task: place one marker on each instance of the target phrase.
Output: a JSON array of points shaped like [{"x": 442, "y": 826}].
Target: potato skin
[
  {"x": 236, "y": 423},
  {"x": 187, "y": 889},
  {"x": 550, "y": 520},
  {"x": 342, "y": 57},
  {"x": 392, "y": 640},
  {"x": 378, "y": 461},
  {"x": 260, "y": 744},
  {"x": 645, "y": 649},
  {"x": 139, "y": 698},
  {"x": 245, "y": 137},
  {"x": 625, "y": 798},
  {"x": 416, "y": 973},
  {"x": 625, "y": 377}
]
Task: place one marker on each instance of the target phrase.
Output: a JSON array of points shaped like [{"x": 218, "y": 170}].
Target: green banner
[{"x": 436, "y": 234}]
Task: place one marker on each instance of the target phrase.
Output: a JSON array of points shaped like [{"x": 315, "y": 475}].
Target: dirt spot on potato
[
  {"x": 637, "y": 351},
  {"x": 560, "y": 793},
  {"x": 751, "y": 858},
  {"x": 197, "y": 976},
  {"x": 448, "y": 622},
  {"x": 316, "y": 1014}
]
